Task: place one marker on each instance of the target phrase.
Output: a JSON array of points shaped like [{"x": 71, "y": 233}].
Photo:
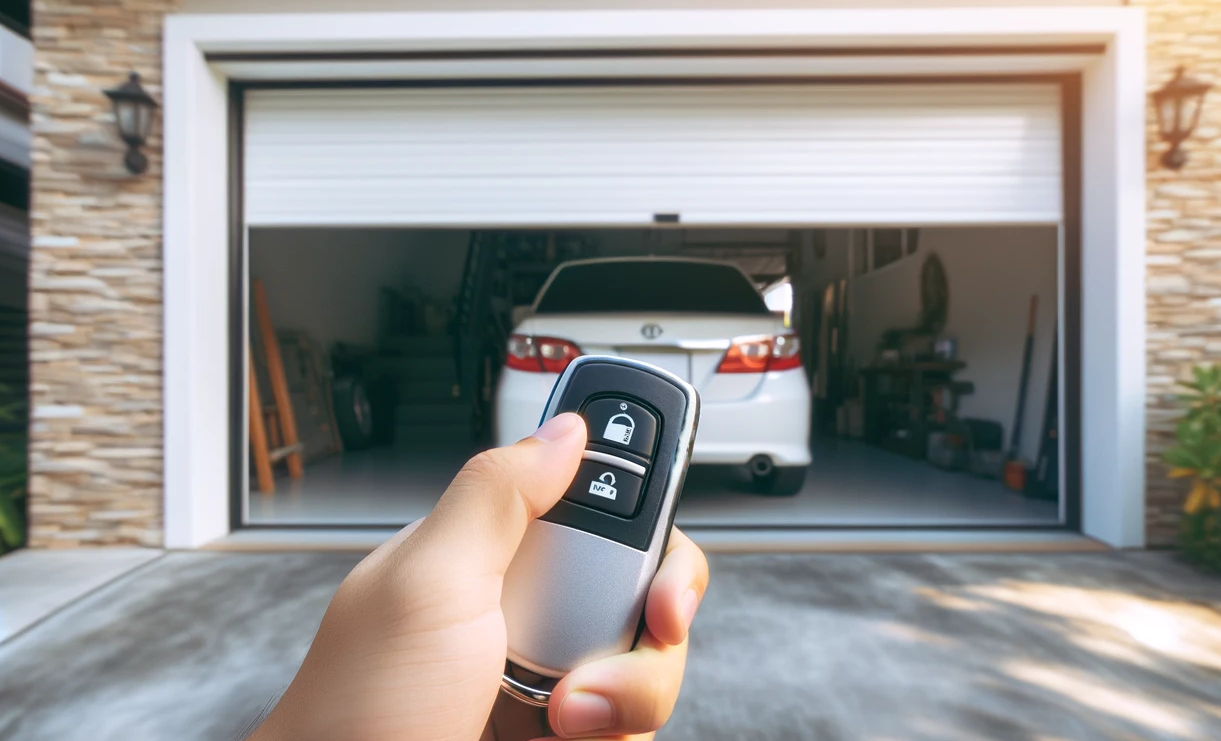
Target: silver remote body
[{"x": 576, "y": 589}]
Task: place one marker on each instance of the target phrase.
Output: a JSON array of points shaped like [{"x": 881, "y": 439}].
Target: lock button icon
[
  {"x": 620, "y": 428},
  {"x": 604, "y": 486},
  {"x": 622, "y": 423}
]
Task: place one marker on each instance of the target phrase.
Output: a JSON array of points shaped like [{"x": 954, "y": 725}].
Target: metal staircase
[
  {"x": 428, "y": 410},
  {"x": 445, "y": 382}
]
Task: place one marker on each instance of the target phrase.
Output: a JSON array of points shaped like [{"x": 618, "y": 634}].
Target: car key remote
[{"x": 576, "y": 589}]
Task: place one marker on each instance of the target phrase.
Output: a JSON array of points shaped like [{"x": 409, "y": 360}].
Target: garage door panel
[
  {"x": 608, "y": 158},
  {"x": 525, "y": 202},
  {"x": 746, "y": 155}
]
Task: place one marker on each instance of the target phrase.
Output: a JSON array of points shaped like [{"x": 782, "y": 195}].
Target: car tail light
[
  {"x": 786, "y": 352},
  {"x": 540, "y": 354},
  {"x": 761, "y": 354}
]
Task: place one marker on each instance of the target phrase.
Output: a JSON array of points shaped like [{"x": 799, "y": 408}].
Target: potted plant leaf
[{"x": 1196, "y": 455}]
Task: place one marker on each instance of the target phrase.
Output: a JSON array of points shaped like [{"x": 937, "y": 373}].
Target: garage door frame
[{"x": 199, "y": 205}]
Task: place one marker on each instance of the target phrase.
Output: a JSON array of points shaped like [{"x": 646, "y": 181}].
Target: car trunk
[{"x": 688, "y": 345}]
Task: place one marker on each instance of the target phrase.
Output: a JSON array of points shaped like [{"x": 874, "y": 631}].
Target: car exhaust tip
[{"x": 760, "y": 466}]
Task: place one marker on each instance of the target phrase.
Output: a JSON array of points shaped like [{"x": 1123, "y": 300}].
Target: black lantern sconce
[
  {"x": 133, "y": 116},
  {"x": 1178, "y": 106}
]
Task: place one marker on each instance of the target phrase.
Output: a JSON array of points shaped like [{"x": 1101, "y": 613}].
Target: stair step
[
  {"x": 433, "y": 392},
  {"x": 435, "y": 370},
  {"x": 434, "y": 433},
  {"x": 419, "y": 346},
  {"x": 417, "y": 414}
]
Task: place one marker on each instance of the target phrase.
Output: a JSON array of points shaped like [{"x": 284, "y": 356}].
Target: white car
[{"x": 705, "y": 322}]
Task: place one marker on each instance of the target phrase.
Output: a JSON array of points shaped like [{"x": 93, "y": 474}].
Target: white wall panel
[
  {"x": 14, "y": 139},
  {"x": 827, "y": 154}
]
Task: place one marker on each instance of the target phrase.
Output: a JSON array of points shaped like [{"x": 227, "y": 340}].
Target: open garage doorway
[{"x": 919, "y": 352}]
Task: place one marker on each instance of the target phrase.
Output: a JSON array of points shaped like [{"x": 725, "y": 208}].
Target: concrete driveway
[{"x": 829, "y": 647}]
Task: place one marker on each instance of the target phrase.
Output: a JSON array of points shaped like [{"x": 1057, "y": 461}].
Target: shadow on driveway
[{"x": 827, "y": 647}]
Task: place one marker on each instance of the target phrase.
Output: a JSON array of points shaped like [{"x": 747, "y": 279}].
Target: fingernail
[
  {"x": 691, "y": 602},
  {"x": 557, "y": 427},
  {"x": 582, "y": 712}
]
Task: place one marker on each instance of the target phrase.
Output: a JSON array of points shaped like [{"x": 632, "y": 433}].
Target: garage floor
[
  {"x": 1089, "y": 647},
  {"x": 850, "y": 484}
]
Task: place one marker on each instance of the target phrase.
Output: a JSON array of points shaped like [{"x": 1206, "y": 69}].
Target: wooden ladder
[{"x": 273, "y": 428}]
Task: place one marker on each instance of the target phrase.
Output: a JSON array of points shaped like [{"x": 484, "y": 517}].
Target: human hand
[{"x": 413, "y": 644}]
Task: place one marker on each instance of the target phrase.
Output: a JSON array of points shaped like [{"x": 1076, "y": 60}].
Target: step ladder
[{"x": 273, "y": 427}]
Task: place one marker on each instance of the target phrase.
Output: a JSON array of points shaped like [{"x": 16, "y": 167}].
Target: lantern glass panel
[
  {"x": 144, "y": 121},
  {"x": 1167, "y": 114},
  {"x": 1190, "y": 113},
  {"x": 126, "y": 114}
]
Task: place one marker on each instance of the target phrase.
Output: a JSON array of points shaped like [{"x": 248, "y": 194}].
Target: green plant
[
  {"x": 12, "y": 469},
  {"x": 12, "y": 490},
  {"x": 1197, "y": 455}
]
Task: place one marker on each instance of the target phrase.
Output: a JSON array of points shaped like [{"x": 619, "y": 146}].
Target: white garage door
[{"x": 791, "y": 154}]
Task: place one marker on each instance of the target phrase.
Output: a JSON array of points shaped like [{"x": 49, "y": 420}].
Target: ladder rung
[{"x": 280, "y": 454}]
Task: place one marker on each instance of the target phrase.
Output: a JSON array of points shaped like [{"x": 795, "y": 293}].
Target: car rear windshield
[{"x": 650, "y": 286}]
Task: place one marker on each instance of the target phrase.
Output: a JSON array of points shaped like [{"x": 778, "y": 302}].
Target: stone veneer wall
[
  {"x": 95, "y": 282},
  {"x": 1184, "y": 241}
]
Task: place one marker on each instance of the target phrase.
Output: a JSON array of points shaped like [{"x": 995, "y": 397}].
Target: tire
[
  {"x": 784, "y": 481},
  {"x": 383, "y": 402},
  {"x": 353, "y": 413}
]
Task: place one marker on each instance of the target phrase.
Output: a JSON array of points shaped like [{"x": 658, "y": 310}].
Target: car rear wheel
[
  {"x": 353, "y": 413},
  {"x": 782, "y": 481}
]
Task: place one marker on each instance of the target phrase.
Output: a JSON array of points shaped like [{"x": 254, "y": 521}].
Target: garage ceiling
[{"x": 841, "y": 154}]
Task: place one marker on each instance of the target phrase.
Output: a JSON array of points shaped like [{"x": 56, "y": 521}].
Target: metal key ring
[{"x": 515, "y": 688}]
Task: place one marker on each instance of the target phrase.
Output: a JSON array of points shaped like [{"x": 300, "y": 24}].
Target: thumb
[{"x": 480, "y": 520}]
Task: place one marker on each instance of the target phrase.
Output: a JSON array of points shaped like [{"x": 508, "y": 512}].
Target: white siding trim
[
  {"x": 1113, "y": 304},
  {"x": 196, "y": 285}
]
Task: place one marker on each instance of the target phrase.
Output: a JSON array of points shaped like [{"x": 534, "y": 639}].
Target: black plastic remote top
[{"x": 639, "y": 440}]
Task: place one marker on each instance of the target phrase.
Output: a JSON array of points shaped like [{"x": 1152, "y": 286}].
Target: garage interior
[
  {"x": 911, "y": 231},
  {"x": 419, "y": 319}
]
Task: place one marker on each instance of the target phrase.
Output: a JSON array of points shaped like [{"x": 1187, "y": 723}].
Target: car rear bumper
[
  {"x": 520, "y": 400},
  {"x": 774, "y": 420}
]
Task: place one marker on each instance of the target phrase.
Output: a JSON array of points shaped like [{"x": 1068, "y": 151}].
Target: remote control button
[
  {"x": 621, "y": 423},
  {"x": 605, "y": 488}
]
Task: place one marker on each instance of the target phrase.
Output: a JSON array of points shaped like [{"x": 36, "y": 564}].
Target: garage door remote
[{"x": 575, "y": 591}]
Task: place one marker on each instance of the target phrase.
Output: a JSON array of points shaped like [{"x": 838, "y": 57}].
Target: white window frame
[
  {"x": 870, "y": 234},
  {"x": 196, "y": 249}
]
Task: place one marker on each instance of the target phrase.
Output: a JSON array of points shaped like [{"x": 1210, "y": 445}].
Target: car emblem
[{"x": 651, "y": 331}]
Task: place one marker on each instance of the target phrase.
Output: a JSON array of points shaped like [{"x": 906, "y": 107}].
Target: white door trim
[{"x": 196, "y": 205}]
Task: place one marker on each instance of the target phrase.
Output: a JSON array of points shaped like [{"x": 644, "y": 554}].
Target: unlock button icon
[{"x": 604, "y": 486}]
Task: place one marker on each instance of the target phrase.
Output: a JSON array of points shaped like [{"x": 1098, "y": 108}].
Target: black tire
[
  {"x": 383, "y": 400},
  {"x": 353, "y": 413},
  {"x": 784, "y": 481}
]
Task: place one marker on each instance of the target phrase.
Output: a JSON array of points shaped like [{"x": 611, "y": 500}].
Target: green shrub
[
  {"x": 13, "y": 443},
  {"x": 1197, "y": 455}
]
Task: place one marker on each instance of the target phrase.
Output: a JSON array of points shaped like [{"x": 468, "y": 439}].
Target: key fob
[{"x": 576, "y": 589}]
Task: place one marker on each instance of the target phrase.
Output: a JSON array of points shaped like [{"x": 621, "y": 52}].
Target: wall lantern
[
  {"x": 1178, "y": 106},
  {"x": 133, "y": 116}
]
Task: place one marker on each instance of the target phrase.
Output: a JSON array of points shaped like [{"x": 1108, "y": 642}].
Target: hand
[{"x": 413, "y": 644}]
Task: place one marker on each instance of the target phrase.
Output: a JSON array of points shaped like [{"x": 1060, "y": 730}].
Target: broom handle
[{"x": 1016, "y": 440}]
